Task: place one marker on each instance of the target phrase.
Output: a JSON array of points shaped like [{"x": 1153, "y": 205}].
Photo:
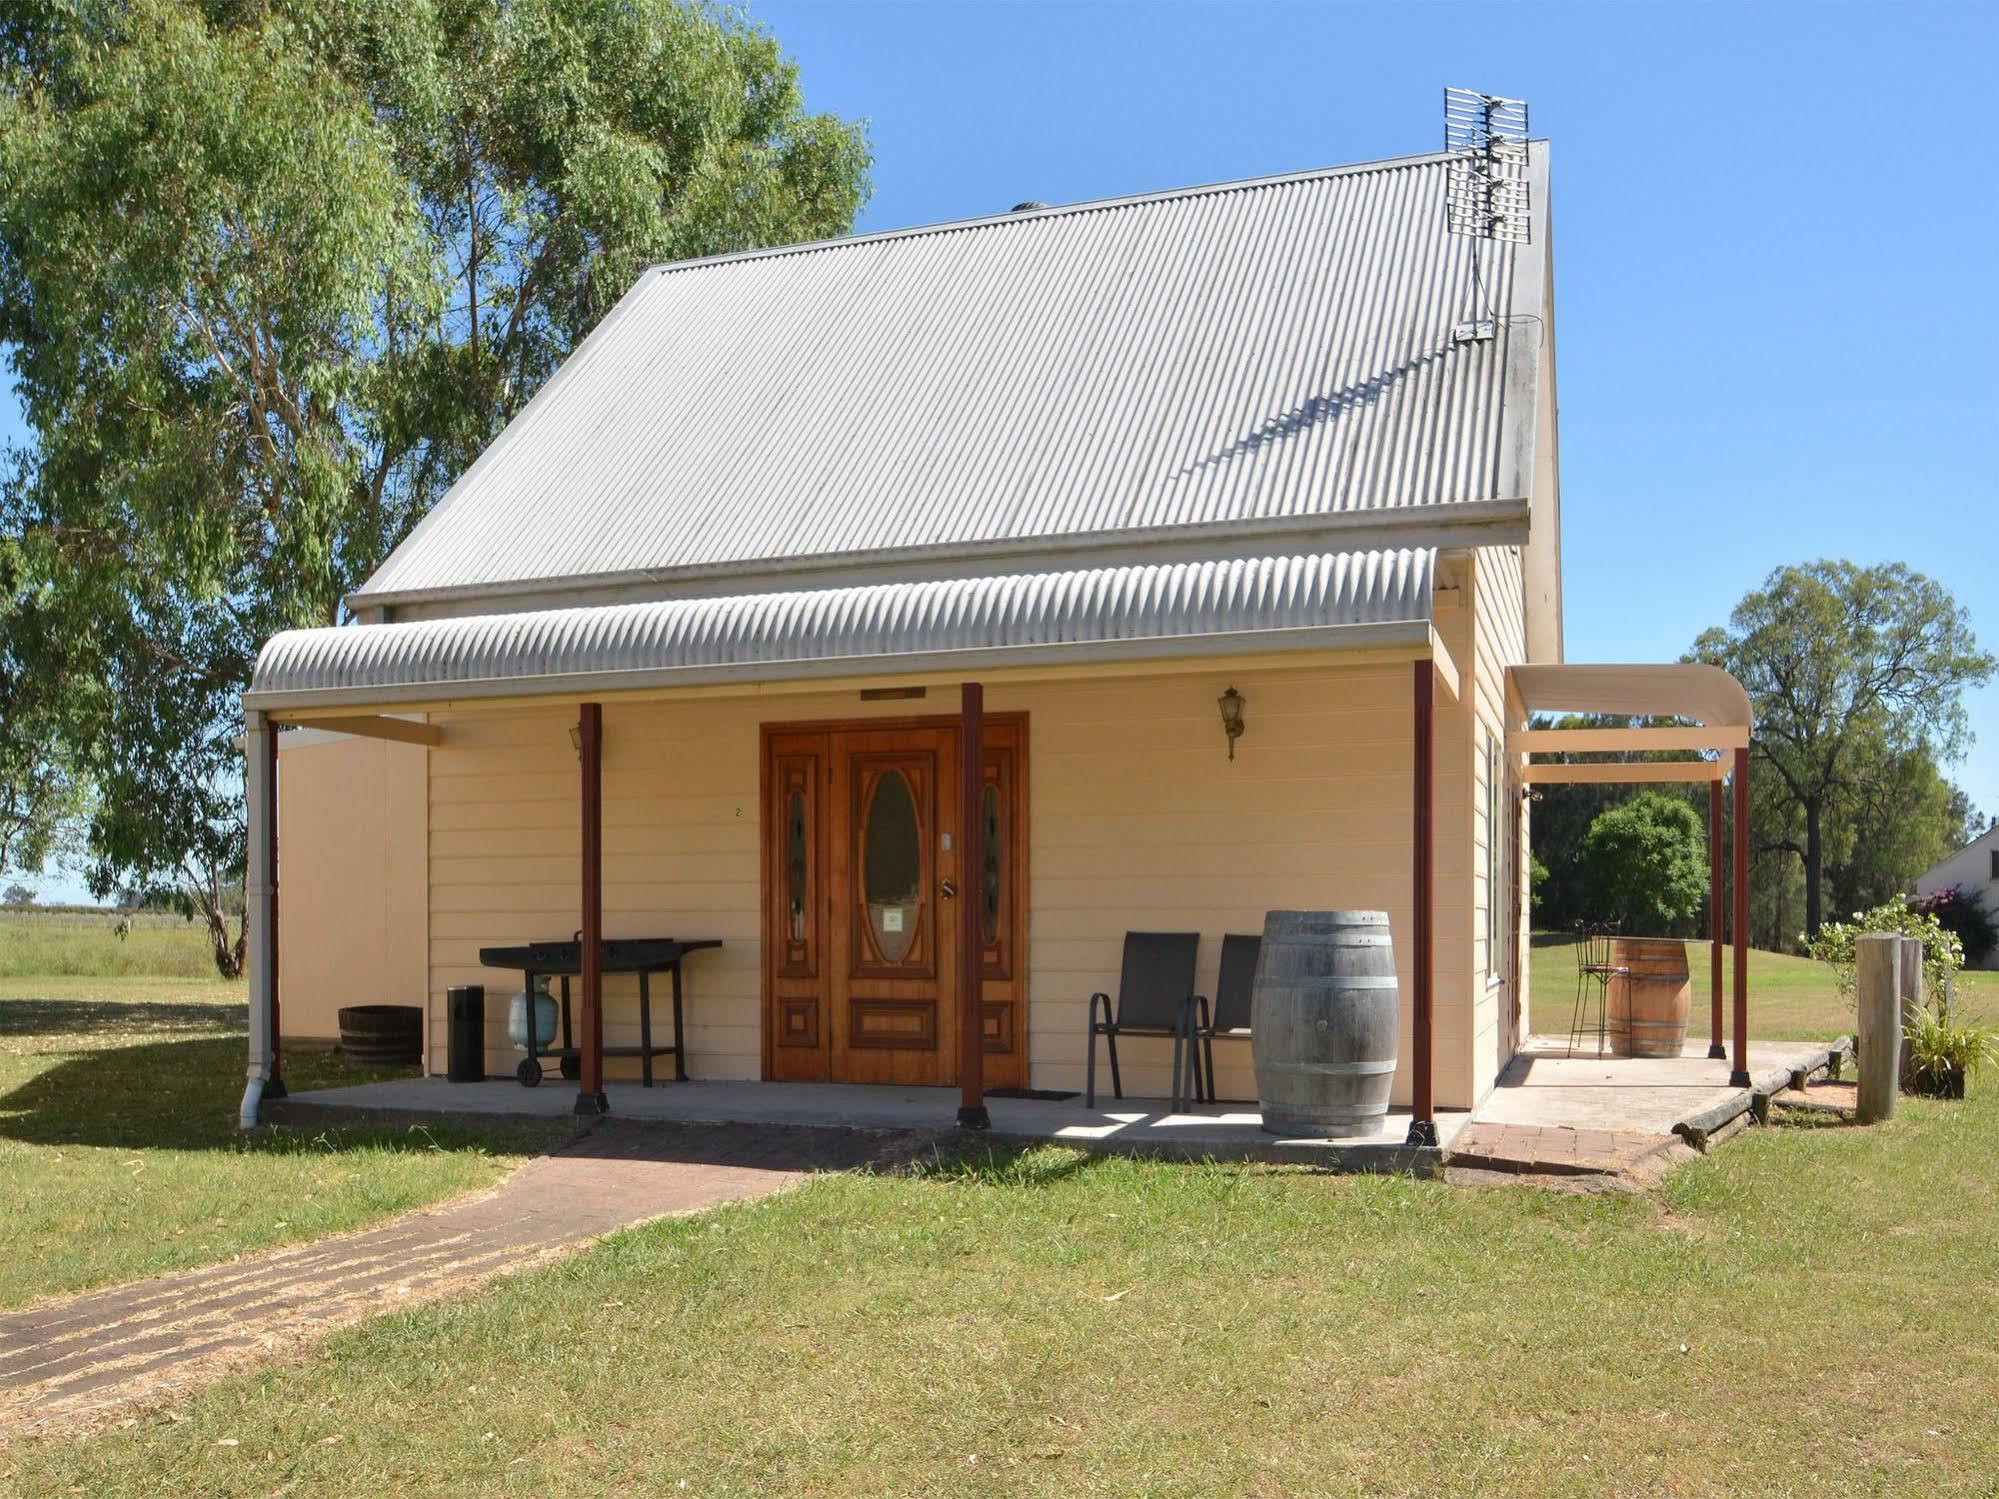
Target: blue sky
[
  {"x": 1776, "y": 251},
  {"x": 1775, "y": 241}
]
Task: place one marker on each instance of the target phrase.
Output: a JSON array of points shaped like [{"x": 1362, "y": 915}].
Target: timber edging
[{"x": 1702, "y": 1128}]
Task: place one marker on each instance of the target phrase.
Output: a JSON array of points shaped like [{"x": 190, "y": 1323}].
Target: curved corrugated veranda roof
[
  {"x": 1087, "y": 615},
  {"x": 1245, "y": 354}
]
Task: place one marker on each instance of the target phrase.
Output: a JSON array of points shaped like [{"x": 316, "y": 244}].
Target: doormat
[{"x": 1039, "y": 1095}]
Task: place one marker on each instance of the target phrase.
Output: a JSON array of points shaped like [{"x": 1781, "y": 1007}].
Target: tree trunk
[
  {"x": 228, "y": 951},
  {"x": 1814, "y": 868}
]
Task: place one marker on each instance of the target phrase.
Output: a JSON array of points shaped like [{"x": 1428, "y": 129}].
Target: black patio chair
[
  {"x": 1229, "y": 1019},
  {"x": 1153, "y": 989}
]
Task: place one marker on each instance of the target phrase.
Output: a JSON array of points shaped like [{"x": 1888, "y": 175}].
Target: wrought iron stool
[{"x": 1595, "y": 968}]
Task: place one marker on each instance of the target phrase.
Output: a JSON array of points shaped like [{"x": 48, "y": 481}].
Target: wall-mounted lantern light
[
  {"x": 1231, "y": 705},
  {"x": 576, "y": 737}
]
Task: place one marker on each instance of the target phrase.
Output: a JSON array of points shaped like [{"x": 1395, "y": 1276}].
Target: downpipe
[{"x": 253, "y": 1098}]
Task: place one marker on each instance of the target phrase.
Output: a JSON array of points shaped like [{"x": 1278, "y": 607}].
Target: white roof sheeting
[
  {"x": 1094, "y": 614},
  {"x": 1246, "y": 354}
]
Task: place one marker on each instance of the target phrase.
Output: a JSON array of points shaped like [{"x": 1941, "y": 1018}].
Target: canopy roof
[
  {"x": 1705, "y": 694},
  {"x": 1251, "y": 357},
  {"x": 1272, "y": 603}
]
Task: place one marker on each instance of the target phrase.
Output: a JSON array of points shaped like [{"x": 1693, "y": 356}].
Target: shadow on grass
[
  {"x": 96, "y": 1017},
  {"x": 977, "y": 1163},
  {"x": 183, "y": 1095}
]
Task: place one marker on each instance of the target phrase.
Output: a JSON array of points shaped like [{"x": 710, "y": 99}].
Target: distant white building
[{"x": 1974, "y": 869}]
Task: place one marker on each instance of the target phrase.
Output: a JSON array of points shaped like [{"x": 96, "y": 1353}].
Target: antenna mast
[{"x": 1486, "y": 198}]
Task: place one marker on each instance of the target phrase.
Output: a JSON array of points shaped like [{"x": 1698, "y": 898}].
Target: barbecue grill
[{"x": 644, "y": 956}]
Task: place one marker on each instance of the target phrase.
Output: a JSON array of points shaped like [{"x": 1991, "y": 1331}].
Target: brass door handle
[{"x": 950, "y": 889}]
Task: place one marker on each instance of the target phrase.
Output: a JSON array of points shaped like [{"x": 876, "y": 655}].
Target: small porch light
[
  {"x": 1231, "y": 703},
  {"x": 576, "y": 737}
]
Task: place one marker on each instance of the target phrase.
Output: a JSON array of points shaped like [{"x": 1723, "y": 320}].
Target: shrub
[
  {"x": 1943, "y": 954},
  {"x": 1648, "y": 861},
  {"x": 1958, "y": 910}
]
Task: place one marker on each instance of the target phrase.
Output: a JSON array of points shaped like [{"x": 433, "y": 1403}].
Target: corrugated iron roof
[
  {"x": 1089, "y": 614},
  {"x": 1240, "y": 354}
]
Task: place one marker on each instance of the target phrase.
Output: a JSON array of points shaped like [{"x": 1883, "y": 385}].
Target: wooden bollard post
[
  {"x": 1878, "y": 986},
  {"x": 1912, "y": 1001}
]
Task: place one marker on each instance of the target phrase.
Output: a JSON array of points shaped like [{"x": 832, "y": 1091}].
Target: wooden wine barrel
[
  {"x": 382, "y": 1033},
  {"x": 1646, "y": 1011},
  {"x": 1323, "y": 1021}
]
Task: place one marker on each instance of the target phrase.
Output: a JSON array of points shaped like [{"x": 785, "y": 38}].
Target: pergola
[{"x": 1719, "y": 720}]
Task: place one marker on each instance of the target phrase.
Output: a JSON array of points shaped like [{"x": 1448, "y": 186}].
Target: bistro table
[{"x": 644, "y": 956}]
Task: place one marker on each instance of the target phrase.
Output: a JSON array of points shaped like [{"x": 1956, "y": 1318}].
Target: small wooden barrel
[
  {"x": 382, "y": 1033},
  {"x": 1323, "y": 1021},
  {"x": 1646, "y": 1012}
]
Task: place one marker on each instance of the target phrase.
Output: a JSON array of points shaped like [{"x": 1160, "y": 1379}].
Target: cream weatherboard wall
[
  {"x": 1499, "y": 640},
  {"x": 352, "y": 879},
  {"x": 1137, "y": 820}
]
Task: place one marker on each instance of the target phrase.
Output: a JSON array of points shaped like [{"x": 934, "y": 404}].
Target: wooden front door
[{"x": 862, "y": 893}]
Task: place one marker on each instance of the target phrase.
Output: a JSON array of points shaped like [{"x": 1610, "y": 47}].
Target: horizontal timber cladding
[
  {"x": 1499, "y": 639},
  {"x": 1137, "y": 820}
]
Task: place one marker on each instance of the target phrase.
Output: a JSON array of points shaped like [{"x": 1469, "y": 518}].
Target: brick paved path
[{"x": 78, "y": 1361}]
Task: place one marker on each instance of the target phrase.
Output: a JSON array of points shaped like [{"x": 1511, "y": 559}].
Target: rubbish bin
[{"x": 466, "y": 1047}]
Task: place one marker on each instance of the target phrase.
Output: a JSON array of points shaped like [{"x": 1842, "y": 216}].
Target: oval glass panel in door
[
  {"x": 795, "y": 867},
  {"x": 892, "y": 851},
  {"x": 989, "y": 864}
]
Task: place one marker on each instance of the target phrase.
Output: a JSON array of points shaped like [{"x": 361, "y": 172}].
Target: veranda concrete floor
[
  {"x": 1544, "y": 1085},
  {"x": 1135, "y": 1125}
]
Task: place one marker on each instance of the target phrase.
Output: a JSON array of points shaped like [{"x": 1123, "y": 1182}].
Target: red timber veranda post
[
  {"x": 590, "y": 1098},
  {"x": 972, "y": 1112},
  {"x": 1738, "y": 1076},
  {"x": 1423, "y": 1102},
  {"x": 1717, "y": 856}
]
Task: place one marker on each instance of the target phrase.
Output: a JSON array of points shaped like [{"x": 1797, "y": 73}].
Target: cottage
[
  {"x": 870, "y": 606},
  {"x": 1974, "y": 870}
]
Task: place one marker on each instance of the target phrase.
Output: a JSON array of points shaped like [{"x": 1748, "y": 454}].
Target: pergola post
[
  {"x": 1423, "y": 1110},
  {"x": 1738, "y": 1076},
  {"x": 590, "y": 1097},
  {"x": 1717, "y": 856},
  {"x": 972, "y": 1113},
  {"x": 260, "y": 910}
]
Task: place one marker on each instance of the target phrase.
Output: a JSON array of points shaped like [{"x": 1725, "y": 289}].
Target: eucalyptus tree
[
  {"x": 40, "y": 796},
  {"x": 1852, "y": 671},
  {"x": 272, "y": 272}
]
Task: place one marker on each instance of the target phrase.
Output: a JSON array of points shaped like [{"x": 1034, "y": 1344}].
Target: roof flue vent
[{"x": 1028, "y": 207}]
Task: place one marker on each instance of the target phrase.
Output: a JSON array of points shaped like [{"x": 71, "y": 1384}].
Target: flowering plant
[{"x": 1943, "y": 954}]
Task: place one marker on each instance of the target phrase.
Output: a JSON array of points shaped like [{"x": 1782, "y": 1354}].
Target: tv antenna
[{"x": 1486, "y": 197}]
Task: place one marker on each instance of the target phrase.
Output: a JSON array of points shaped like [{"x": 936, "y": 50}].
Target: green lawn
[
  {"x": 102, "y": 944},
  {"x": 1790, "y": 999},
  {"x": 1809, "y": 1308},
  {"x": 118, "y": 1145}
]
